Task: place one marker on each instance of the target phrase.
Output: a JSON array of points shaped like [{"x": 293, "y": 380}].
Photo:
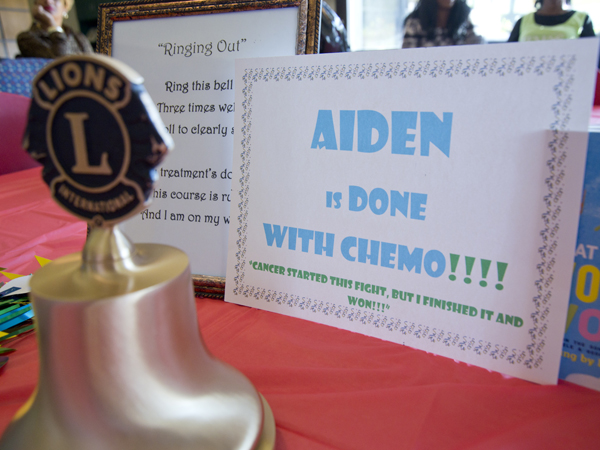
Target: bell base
[
  {"x": 266, "y": 440},
  {"x": 123, "y": 365}
]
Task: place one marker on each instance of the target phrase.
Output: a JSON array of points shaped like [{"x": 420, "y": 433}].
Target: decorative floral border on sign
[{"x": 560, "y": 66}]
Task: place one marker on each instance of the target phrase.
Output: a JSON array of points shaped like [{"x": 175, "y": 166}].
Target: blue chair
[{"x": 17, "y": 74}]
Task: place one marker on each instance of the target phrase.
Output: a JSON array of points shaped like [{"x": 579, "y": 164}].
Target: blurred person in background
[
  {"x": 334, "y": 38},
  {"x": 439, "y": 22},
  {"x": 48, "y": 37},
  {"x": 552, "y": 20}
]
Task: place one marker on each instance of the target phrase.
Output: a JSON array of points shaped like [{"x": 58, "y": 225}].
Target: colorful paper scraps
[{"x": 16, "y": 311}]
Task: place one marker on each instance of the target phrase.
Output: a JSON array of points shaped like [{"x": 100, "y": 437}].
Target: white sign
[
  {"x": 428, "y": 197},
  {"x": 188, "y": 64}
]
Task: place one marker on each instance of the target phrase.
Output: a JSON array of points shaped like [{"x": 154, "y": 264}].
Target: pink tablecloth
[
  {"x": 595, "y": 116},
  {"x": 328, "y": 388},
  {"x": 32, "y": 224}
]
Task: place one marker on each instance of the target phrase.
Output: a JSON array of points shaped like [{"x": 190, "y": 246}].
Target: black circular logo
[{"x": 90, "y": 126}]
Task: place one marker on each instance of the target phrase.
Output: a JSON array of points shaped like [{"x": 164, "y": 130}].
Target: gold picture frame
[
  {"x": 309, "y": 20},
  {"x": 307, "y": 34}
]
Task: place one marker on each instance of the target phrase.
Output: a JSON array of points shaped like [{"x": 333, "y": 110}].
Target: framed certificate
[
  {"x": 185, "y": 50},
  {"x": 306, "y": 33}
]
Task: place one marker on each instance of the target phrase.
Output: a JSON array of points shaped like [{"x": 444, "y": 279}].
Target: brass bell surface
[{"x": 122, "y": 362}]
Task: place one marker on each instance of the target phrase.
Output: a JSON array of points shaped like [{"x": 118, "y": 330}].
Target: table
[{"x": 328, "y": 388}]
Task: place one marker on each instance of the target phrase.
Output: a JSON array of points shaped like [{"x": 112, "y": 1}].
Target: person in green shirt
[{"x": 552, "y": 20}]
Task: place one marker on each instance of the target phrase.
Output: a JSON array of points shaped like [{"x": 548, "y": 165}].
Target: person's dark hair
[
  {"x": 539, "y": 3},
  {"x": 426, "y": 13}
]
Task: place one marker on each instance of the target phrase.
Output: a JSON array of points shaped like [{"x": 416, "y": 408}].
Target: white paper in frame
[{"x": 185, "y": 50}]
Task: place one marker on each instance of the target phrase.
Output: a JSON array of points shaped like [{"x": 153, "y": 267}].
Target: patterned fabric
[
  {"x": 415, "y": 36},
  {"x": 16, "y": 75}
]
